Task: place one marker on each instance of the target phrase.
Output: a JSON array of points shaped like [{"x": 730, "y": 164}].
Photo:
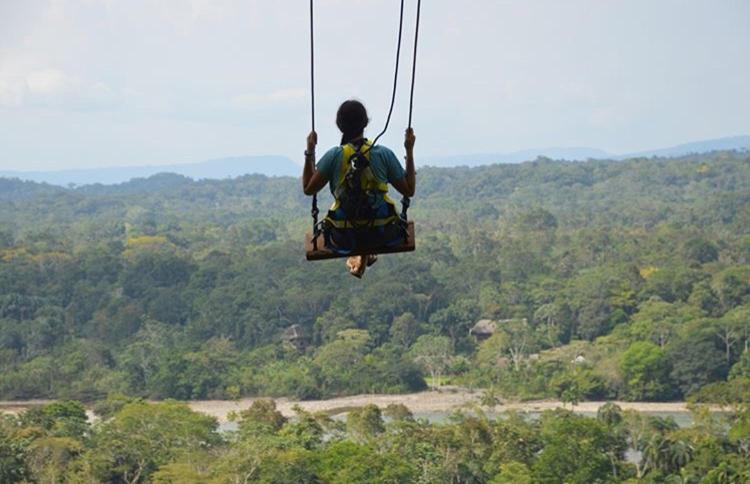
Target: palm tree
[{"x": 681, "y": 452}]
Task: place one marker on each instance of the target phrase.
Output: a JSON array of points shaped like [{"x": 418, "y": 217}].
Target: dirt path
[{"x": 419, "y": 403}]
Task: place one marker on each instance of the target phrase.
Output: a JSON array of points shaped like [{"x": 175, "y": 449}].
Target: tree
[
  {"x": 6, "y": 238},
  {"x": 513, "y": 473},
  {"x": 492, "y": 354},
  {"x": 734, "y": 327},
  {"x": 347, "y": 461},
  {"x": 732, "y": 286},
  {"x": 207, "y": 372},
  {"x": 577, "y": 449},
  {"x": 306, "y": 430},
  {"x": 610, "y": 414},
  {"x": 550, "y": 316},
  {"x": 434, "y": 354},
  {"x": 659, "y": 321},
  {"x": 705, "y": 298},
  {"x": 728, "y": 331},
  {"x": 404, "y": 330},
  {"x": 741, "y": 369},
  {"x": 595, "y": 297},
  {"x": 12, "y": 452},
  {"x": 59, "y": 419},
  {"x": 572, "y": 385},
  {"x": 455, "y": 320},
  {"x": 700, "y": 250},
  {"x": 695, "y": 361},
  {"x": 262, "y": 415},
  {"x": 515, "y": 439},
  {"x": 339, "y": 360},
  {"x": 520, "y": 340},
  {"x": 398, "y": 412},
  {"x": 364, "y": 423},
  {"x": 288, "y": 465},
  {"x": 50, "y": 458},
  {"x": 178, "y": 473},
  {"x": 671, "y": 284},
  {"x": 142, "y": 436},
  {"x": 645, "y": 368}
]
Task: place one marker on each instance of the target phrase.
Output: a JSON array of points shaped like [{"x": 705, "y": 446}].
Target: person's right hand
[
  {"x": 312, "y": 141},
  {"x": 409, "y": 139}
]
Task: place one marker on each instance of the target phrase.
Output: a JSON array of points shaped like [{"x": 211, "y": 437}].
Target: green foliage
[
  {"x": 576, "y": 384},
  {"x": 398, "y": 412},
  {"x": 741, "y": 369},
  {"x": 365, "y": 423},
  {"x": 140, "y": 437},
  {"x": 306, "y": 430},
  {"x": 645, "y": 368},
  {"x": 262, "y": 415},
  {"x": 577, "y": 449},
  {"x": 168, "y": 443},
  {"x": 60, "y": 419},
  {"x": 346, "y": 462},
  {"x": 51, "y": 458},
  {"x": 433, "y": 354},
  {"x": 513, "y": 473},
  {"x": 696, "y": 361},
  {"x": 13, "y": 467},
  {"x": 173, "y": 288},
  {"x": 610, "y": 414}
]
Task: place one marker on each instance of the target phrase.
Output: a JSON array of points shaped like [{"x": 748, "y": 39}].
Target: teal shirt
[{"x": 383, "y": 163}]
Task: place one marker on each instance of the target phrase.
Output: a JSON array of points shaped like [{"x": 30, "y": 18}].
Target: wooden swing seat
[{"x": 320, "y": 252}]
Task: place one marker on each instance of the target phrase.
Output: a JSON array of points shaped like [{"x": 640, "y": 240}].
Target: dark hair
[{"x": 351, "y": 119}]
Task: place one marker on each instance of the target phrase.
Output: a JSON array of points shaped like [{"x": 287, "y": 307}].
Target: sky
[{"x": 94, "y": 83}]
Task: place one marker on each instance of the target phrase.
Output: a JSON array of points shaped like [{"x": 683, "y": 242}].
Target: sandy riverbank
[
  {"x": 419, "y": 403},
  {"x": 422, "y": 403}
]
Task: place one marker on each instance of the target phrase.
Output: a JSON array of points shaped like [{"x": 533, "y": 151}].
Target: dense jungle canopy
[{"x": 606, "y": 279}]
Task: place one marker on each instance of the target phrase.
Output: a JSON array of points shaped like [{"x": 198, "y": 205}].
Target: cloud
[
  {"x": 54, "y": 89},
  {"x": 48, "y": 82},
  {"x": 280, "y": 97},
  {"x": 11, "y": 93}
]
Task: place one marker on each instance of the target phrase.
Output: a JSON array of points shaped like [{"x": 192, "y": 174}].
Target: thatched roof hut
[
  {"x": 296, "y": 336},
  {"x": 483, "y": 329}
]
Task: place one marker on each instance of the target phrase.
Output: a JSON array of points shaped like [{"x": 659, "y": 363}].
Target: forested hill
[
  {"x": 168, "y": 287},
  {"x": 575, "y": 191}
]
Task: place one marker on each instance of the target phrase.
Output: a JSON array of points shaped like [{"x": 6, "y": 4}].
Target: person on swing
[{"x": 349, "y": 224}]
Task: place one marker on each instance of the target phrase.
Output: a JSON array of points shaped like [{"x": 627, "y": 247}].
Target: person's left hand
[
  {"x": 409, "y": 140},
  {"x": 312, "y": 141}
]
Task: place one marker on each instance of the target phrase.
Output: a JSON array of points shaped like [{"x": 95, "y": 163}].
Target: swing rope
[
  {"x": 414, "y": 62},
  {"x": 395, "y": 75},
  {"x": 314, "y": 210}
]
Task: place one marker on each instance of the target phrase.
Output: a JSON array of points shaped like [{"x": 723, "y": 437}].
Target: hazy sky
[{"x": 86, "y": 83}]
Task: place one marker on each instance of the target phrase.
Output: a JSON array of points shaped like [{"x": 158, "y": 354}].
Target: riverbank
[
  {"x": 419, "y": 403},
  {"x": 423, "y": 403}
]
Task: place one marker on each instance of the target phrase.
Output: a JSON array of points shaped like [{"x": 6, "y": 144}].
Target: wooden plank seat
[{"x": 320, "y": 252}]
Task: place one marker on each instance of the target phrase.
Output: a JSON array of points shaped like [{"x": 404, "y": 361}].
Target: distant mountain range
[
  {"x": 573, "y": 154},
  {"x": 283, "y": 166},
  {"x": 218, "y": 168},
  {"x": 581, "y": 154}
]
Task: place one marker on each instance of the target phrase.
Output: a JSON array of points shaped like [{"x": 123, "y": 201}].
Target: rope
[
  {"x": 314, "y": 210},
  {"x": 395, "y": 75},
  {"x": 414, "y": 62},
  {"x": 406, "y": 201},
  {"x": 312, "y": 66}
]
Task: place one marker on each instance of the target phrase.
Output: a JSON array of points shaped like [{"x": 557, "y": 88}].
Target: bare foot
[{"x": 357, "y": 266}]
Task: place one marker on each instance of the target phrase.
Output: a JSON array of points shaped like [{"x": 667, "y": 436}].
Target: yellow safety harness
[{"x": 369, "y": 185}]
